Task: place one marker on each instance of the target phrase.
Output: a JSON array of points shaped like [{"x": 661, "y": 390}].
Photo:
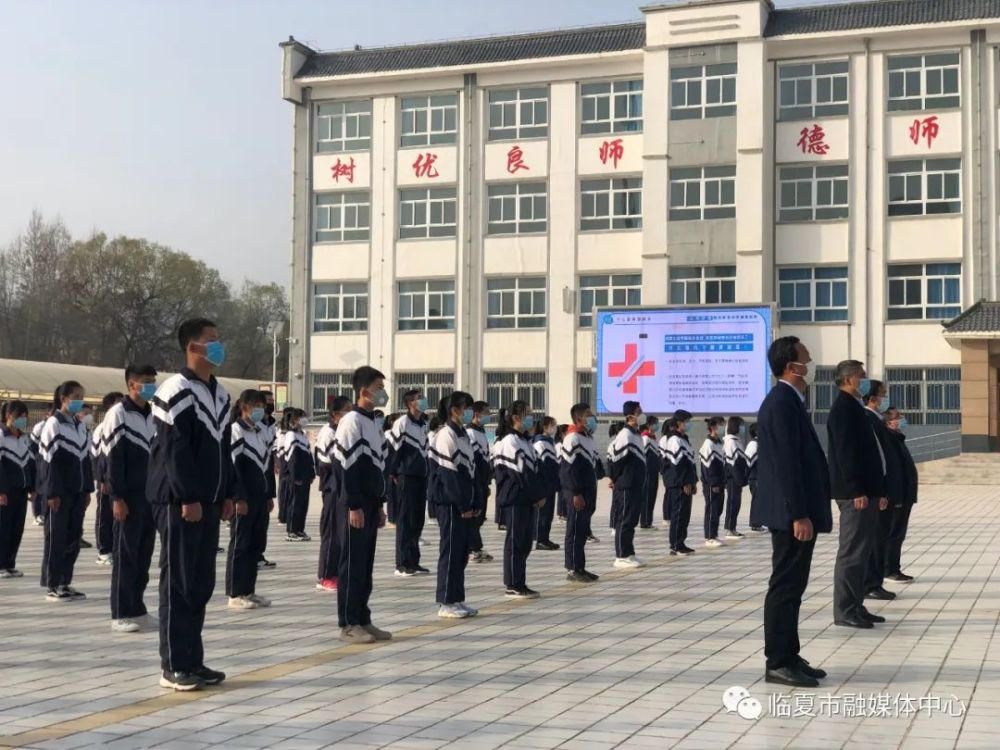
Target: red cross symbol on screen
[{"x": 631, "y": 369}]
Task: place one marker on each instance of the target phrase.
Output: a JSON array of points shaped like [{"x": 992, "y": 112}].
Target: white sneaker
[
  {"x": 404, "y": 573},
  {"x": 260, "y": 601},
  {"x": 127, "y": 625},
  {"x": 471, "y": 610},
  {"x": 4, "y": 573},
  {"x": 712, "y": 543},
  {"x": 612, "y": 533},
  {"x": 664, "y": 524},
  {"x": 733, "y": 535},
  {"x": 421, "y": 542},
  {"x": 104, "y": 560},
  {"x": 38, "y": 521},
  {"x": 452, "y": 611},
  {"x": 242, "y": 602},
  {"x": 628, "y": 562}
]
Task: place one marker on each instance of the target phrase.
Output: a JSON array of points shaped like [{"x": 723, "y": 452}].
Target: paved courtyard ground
[{"x": 641, "y": 659}]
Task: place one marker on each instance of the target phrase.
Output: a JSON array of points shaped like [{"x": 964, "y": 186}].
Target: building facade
[{"x": 460, "y": 209}]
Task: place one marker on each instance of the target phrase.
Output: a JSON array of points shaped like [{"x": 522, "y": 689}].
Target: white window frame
[
  {"x": 920, "y": 179},
  {"x": 424, "y": 120},
  {"x": 330, "y": 385},
  {"x": 519, "y": 208},
  {"x": 813, "y": 80},
  {"x": 503, "y": 387},
  {"x": 514, "y": 302},
  {"x": 712, "y": 188},
  {"x": 926, "y": 395},
  {"x": 343, "y": 126},
  {"x": 602, "y": 201},
  {"x": 606, "y": 290},
  {"x": 719, "y": 280},
  {"x": 923, "y": 280},
  {"x": 621, "y": 102},
  {"x": 350, "y": 300},
  {"x": 342, "y": 216},
  {"x": 700, "y": 83},
  {"x": 427, "y": 213},
  {"x": 428, "y": 295},
  {"x": 814, "y": 189},
  {"x": 520, "y": 113},
  {"x": 585, "y": 387},
  {"x": 923, "y": 71},
  {"x": 813, "y": 281}
]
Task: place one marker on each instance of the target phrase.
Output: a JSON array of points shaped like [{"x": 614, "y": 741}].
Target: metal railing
[{"x": 939, "y": 445}]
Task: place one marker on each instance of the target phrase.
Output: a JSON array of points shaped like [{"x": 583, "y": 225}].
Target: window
[
  {"x": 699, "y": 91},
  {"x": 611, "y": 204},
  {"x": 813, "y": 193},
  {"x": 931, "y": 291},
  {"x": 926, "y": 395},
  {"x": 503, "y": 388},
  {"x": 343, "y": 217},
  {"x": 615, "y": 290},
  {"x": 821, "y": 392},
  {"x": 426, "y": 212},
  {"x": 515, "y": 303},
  {"x": 434, "y": 386},
  {"x": 340, "y": 306},
  {"x": 516, "y": 208},
  {"x": 426, "y": 305},
  {"x": 585, "y": 387},
  {"x": 924, "y": 81},
  {"x": 702, "y": 193},
  {"x": 428, "y": 120},
  {"x": 326, "y": 386},
  {"x": 519, "y": 113},
  {"x": 807, "y": 90},
  {"x": 925, "y": 186},
  {"x": 812, "y": 295},
  {"x": 610, "y": 107},
  {"x": 697, "y": 285},
  {"x": 343, "y": 126}
]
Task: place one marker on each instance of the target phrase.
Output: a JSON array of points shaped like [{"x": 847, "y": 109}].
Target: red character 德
[{"x": 812, "y": 141}]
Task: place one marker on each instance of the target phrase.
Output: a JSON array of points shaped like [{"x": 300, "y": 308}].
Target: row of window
[
  {"x": 916, "y": 291},
  {"x": 926, "y": 395},
  {"x": 805, "y": 90},
  {"x": 805, "y": 193}
]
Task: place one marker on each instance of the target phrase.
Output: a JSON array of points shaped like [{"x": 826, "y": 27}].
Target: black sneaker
[
  {"x": 219, "y": 550},
  {"x": 303, "y": 537},
  {"x": 591, "y": 576},
  {"x": 673, "y": 553},
  {"x": 684, "y": 550},
  {"x": 420, "y": 570},
  {"x": 899, "y": 577},
  {"x": 209, "y": 676},
  {"x": 592, "y": 538},
  {"x": 531, "y": 593},
  {"x": 501, "y": 527},
  {"x": 84, "y": 544},
  {"x": 265, "y": 563},
  {"x": 181, "y": 681},
  {"x": 577, "y": 576},
  {"x": 521, "y": 593},
  {"x": 547, "y": 545},
  {"x": 73, "y": 593},
  {"x": 58, "y": 595}
]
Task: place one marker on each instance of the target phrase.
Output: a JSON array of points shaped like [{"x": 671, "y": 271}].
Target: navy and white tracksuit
[
  {"x": 126, "y": 434},
  {"x": 737, "y": 470},
  {"x": 249, "y": 454},
  {"x": 17, "y": 481},
  {"x": 189, "y": 462},
  {"x": 358, "y": 446},
  {"x": 579, "y": 469},
  {"x": 518, "y": 489},
  {"x": 713, "y": 479},
  {"x": 547, "y": 466},
  {"x": 330, "y": 475},
  {"x": 281, "y": 472},
  {"x": 104, "y": 519},
  {"x": 482, "y": 476},
  {"x": 751, "y": 454},
  {"x": 270, "y": 429},
  {"x": 653, "y": 466},
  {"x": 38, "y": 506},
  {"x": 452, "y": 490},
  {"x": 408, "y": 466},
  {"x": 390, "y": 487},
  {"x": 65, "y": 472},
  {"x": 628, "y": 472},
  {"x": 679, "y": 471},
  {"x": 299, "y": 475}
]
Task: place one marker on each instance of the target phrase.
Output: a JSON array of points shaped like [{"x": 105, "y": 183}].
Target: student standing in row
[
  {"x": 253, "y": 504},
  {"x": 390, "y": 486},
  {"x": 907, "y": 495},
  {"x": 613, "y": 429},
  {"x": 359, "y": 448},
  {"x": 653, "y": 467},
  {"x": 280, "y": 469},
  {"x": 17, "y": 483},
  {"x": 300, "y": 473},
  {"x": 736, "y": 474},
  {"x": 104, "y": 536},
  {"x": 547, "y": 467},
  {"x": 628, "y": 474},
  {"x": 579, "y": 470},
  {"x": 331, "y": 477},
  {"x": 482, "y": 477},
  {"x": 66, "y": 479},
  {"x": 127, "y": 431},
  {"x": 751, "y": 454},
  {"x": 408, "y": 471},
  {"x": 270, "y": 429},
  {"x": 680, "y": 480},
  {"x": 190, "y": 482},
  {"x": 713, "y": 479},
  {"x": 451, "y": 487},
  {"x": 38, "y": 506}
]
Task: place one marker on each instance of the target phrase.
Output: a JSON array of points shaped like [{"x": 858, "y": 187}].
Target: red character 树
[{"x": 343, "y": 169}]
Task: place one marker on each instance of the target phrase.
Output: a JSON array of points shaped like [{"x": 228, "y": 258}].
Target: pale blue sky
[{"x": 163, "y": 119}]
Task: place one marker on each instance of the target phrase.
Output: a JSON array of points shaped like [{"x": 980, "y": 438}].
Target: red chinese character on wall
[
  {"x": 613, "y": 150},
  {"x": 515, "y": 160},
  {"x": 342, "y": 169},
  {"x": 927, "y": 128},
  {"x": 812, "y": 141},
  {"x": 424, "y": 165}
]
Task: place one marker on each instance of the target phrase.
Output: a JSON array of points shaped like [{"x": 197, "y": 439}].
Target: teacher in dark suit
[{"x": 793, "y": 501}]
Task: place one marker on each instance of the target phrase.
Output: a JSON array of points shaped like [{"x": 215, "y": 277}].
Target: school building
[{"x": 461, "y": 208}]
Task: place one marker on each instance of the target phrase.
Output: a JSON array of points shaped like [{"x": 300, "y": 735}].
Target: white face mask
[
  {"x": 88, "y": 421},
  {"x": 804, "y": 376}
]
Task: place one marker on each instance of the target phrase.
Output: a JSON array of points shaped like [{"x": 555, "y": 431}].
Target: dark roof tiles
[{"x": 982, "y": 317}]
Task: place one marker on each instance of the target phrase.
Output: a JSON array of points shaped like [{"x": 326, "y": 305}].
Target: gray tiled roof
[
  {"x": 875, "y": 14},
  {"x": 982, "y": 317}
]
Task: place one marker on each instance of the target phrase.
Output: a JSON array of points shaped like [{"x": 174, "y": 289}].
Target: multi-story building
[{"x": 461, "y": 208}]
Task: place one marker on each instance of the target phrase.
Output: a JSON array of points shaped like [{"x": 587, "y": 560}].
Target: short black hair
[
  {"x": 411, "y": 395},
  {"x": 733, "y": 425},
  {"x": 578, "y": 410},
  {"x": 876, "y": 386},
  {"x": 191, "y": 330},
  {"x": 847, "y": 369},
  {"x": 714, "y": 422},
  {"x": 363, "y": 377},
  {"x": 780, "y": 353},
  {"x": 752, "y": 430},
  {"x": 652, "y": 420},
  {"x": 682, "y": 415},
  {"x": 110, "y": 399},
  {"x": 479, "y": 407},
  {"x": 339, "y": 403},
  {"x": 134, "y": 371},
  {"x": 629, "y": 408}
]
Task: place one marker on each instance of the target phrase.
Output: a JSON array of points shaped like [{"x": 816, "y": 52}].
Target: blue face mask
[
  {"x": 257, "y": 414},
  {"x": 467, "y": 416},
  {"x": 422, "y": 404},
  {"x": 864, "y": 387},
  {"x": 743, "y": 429},
  {"x": 215, "y": 353},
  {"x": 380, "y": 422},
  {"x": 527, "y": 423},
  {"x": 485, "y": 419},
  {"x": 21, "y": 424},
  {"x": 591, "y": 423},
  {"x": 75, "y": 406},
  {"x": 147, "y": 391},
  {"x": 903, "y": 424},
  {"x": 883, "y": 406}
]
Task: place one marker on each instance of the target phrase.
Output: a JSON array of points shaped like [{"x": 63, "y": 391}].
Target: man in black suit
[
  {"x": 876, "y": 404},
  {"x": 857, "y": 480},
  {"x": 900, "y": 510},
  {"x": 793, "y": 501}
]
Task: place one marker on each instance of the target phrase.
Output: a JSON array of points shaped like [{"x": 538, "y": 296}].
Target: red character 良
[{"x": 515, "y": 160}]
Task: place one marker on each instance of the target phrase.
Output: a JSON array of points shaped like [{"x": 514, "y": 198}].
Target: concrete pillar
[{"x": 979, "y": 397}]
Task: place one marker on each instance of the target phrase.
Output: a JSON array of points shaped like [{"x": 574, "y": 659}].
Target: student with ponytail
[
  {"x": 713, "y": 479},
  {"x": 17, "y": 483},
  {"x": 737, "y": 473},
  {"x": 331, "y": 479},
  {"x": 482, "y": 477},
  {"x": 299, "y": 475},
  {"x": 104, "y": 535},
  {"x": 38, "y": 506},
  {"x": 548, "y": 473}
]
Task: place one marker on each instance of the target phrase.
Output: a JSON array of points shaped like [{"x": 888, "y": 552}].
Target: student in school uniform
[
  {"x": 653, "y": 466},
  {"x": 579, "y": 471},
  {"x": 628, "y": 474},
  {"x": 390, "y": 486},
  {"x": 482, "y": 477},
  {"x": 269, "y": 426},
  {"x": 190, "y": 486},
  {"x": 680, "y": 480},
  {"x": 547, "y": 466},
  {"x": 713, "y": 479},
  {"x": 65, "y": 477},
  {"x": 737, "y": 469},
  {"x": 126, "y": 433},
  {"x": 408, "y": 472},
  {"x": 299, "y": 475},
  {"x": 519, "y": 492},
  {"x": 17, "y": 483},
  {"x": 38, "y": 506},
  {"x": 359, "y": 450},
  {"x": 252, "y": 501},
  {"x": 104, "y": 536},
  {"x": 451, "y": 484},
  {"x": 561, "y": 498},
  {"x": 751, "y": 454},
  {"x": 86, "y": 418},
  {"x": 681, "y": 418},
  {"x": 280, "y": 467},
  {"x": 330, "y": 479},
  {"x": 613, "y": 429}
]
